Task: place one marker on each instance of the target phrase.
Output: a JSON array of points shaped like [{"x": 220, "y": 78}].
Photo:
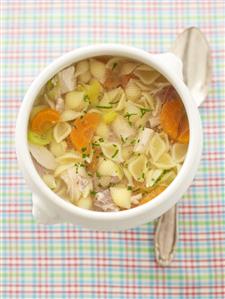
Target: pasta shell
[
  {"x": 75, "y": 100},
  {"x": 102, "y": 130},
  {"x": 128, "y": 176},
  {"x": 43, "y": 156},
  {"x": 69, "y": 115},
  {"x": 58, "y": 149},
  {"x": 132, "y": 112},
  {"x": 121, "y": 196},
  {"x": 148, "y": 99},
  {"x": 85, "y": 77},
  {"x": 156, "y": 147},
  {"x": 85, "y": 203},
  {"x": 152, "y": 176},
  {"x": 98, "y": 69},
  {"x": 109, "y": 168},
  {"x": 133, "y": 92},
  {"x": 112, "y": 150},
  {"x": 115, "y": 98},
  {"x": 49, "y": 181},
  {"x": 146, "y": 74},
  {"x": 128, "y": 67},
  {"x": 137, "y": 167},
  {"x": 178, "y": 152},
  {"x": 69, "y": 157},
  {"x": 168, "y": 177},
  {"x": 165, "y": 162},
  {"x": 61, "y": 131},
  {"x": 81, "y": 67},
  {"x": 142, "y": 86}
]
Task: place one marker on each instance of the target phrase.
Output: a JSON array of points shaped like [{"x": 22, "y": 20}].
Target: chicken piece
[{"x": 103, "y": 202}]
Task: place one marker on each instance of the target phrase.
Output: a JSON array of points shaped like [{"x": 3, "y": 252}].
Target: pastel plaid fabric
[{"x": 64, "y": 261}]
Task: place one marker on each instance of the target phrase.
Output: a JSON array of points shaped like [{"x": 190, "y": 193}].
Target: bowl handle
[
  {"x": 44, "y": 212},
  {"x": 173, "y": 63}
]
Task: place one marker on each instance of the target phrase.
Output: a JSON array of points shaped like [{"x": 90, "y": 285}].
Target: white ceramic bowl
[{"x": 48, "y": 208}]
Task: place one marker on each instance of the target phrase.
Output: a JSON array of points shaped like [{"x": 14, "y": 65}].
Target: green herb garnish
[
  {"x": 104, "y": 107},
  {"x": 113, "y": 103},
  {"x": 144, "y": 110},
  {"x": 122, "y": 139},
  {"x": 86, "y": 99},
  {"x": 128, "y": 115},
  {"x": 93, "y": 193},
  {"x": 116, "y": 152},
  {"x": 114, "y": 65}
]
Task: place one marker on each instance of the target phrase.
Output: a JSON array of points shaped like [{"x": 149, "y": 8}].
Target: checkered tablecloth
[{"x": 64, "y": 261}]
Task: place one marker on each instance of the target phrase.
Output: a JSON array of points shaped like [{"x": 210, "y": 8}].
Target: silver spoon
[{"x": 193, "y": 49}]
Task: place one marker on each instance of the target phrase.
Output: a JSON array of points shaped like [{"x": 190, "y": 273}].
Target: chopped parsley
[
  {"x": 114, "y": 103},
  {"x": 95, "y": 144},
  {"x": 114, "y": 65},
  {"x": 83, "y": 149},
  {"x": 93, "y": 193},
  {"x": 104, "y": 107},
  {"x": 161, "y": 175},
  {"x": 128, "y": 115},
  {"x": 116, "y": 152},
  {"x": 86, "y": 99},
  {"x": 144, "y": 110},
  {"x": 129, "y": 188},
  {"x": 101, "y": 139},
  {"x": 98, "y": 174},
  {"x": 122, "y": 139}
]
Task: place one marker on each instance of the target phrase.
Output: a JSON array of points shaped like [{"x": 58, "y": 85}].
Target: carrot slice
[
  {"x": 155, "y": 192},
  {"x": 174, "y": 120},
  {"x": 83, "y": 131},
  {"x": 44, "y": 120},
  {"x": 183, "y": 130},
  {"x": 90, "y": 119},
  {"x": 79, "y": 141}
]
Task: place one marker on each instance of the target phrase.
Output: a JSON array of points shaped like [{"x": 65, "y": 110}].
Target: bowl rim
[{"x": 24, "y": 157}]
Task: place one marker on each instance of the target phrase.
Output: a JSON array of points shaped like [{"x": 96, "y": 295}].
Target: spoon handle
[{"x": 166, "y": 237}]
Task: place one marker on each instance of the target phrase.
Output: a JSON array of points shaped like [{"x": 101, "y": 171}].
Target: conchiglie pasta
[
  {"x": 156, "y": 147},
  {"x": 178, "y": 152},
  {"x": 137, "y": 167},
  {"x": 133, "y": 92},
  {"x": 112, "y": 150},
  {"x": 165, "y": 162},
  {"x": 82, "y": 67},
  {"x": 98, "y": 70},
  {"x": 146, "y": 74},
  {"x": 128, "y": 68},
  {"x": 61, "y": 131}
]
